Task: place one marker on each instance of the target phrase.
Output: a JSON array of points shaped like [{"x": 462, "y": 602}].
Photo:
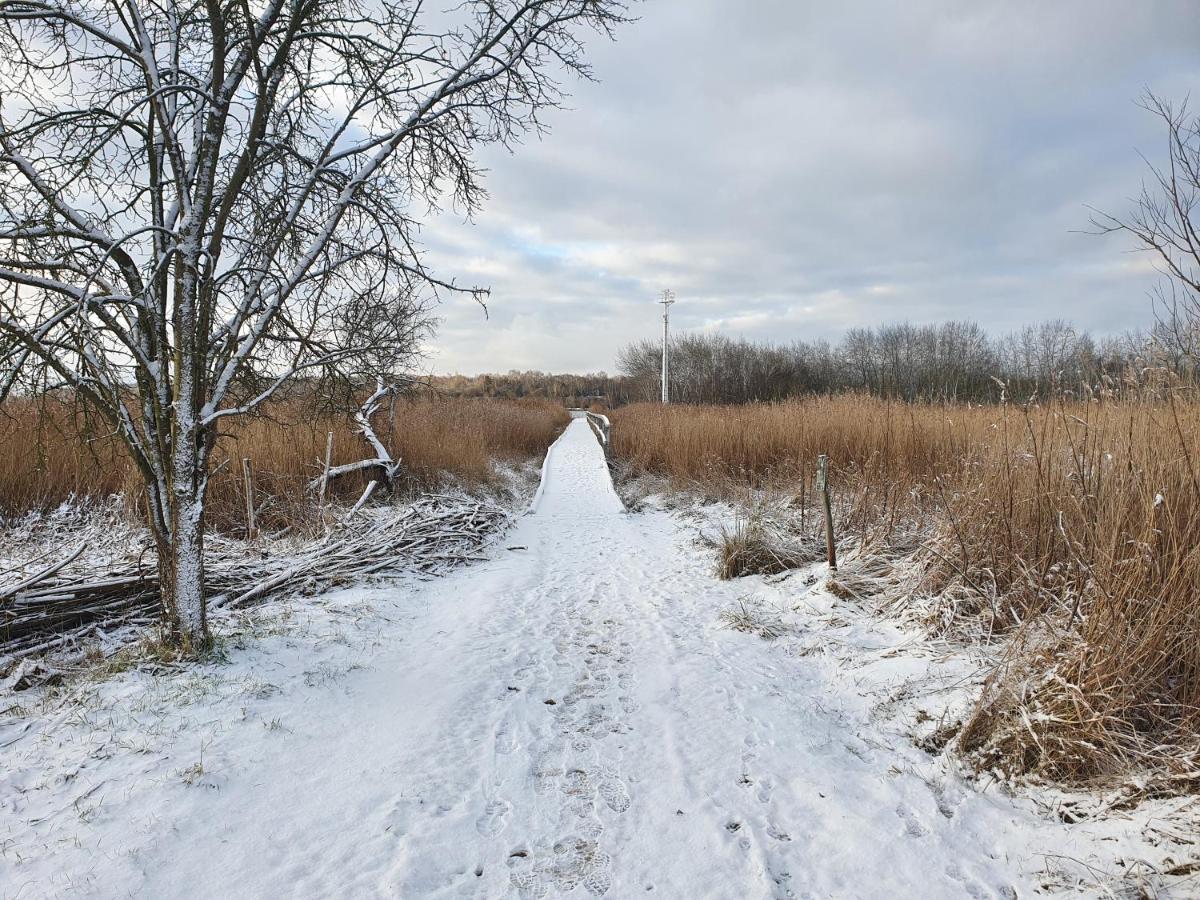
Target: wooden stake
[
  {"x": 325, "y": 475},
  {"x": 248, "y": 483},
  {"x": 822, "y": 487}
]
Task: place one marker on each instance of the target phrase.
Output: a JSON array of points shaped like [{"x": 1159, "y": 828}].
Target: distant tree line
[
  {"x": 950, "y": 362},
  {"x": 954, "y": 361},
  {"x": 571, "y": 390}
]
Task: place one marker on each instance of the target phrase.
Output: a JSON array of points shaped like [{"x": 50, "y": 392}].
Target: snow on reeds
[
  {"x": 1069, "y": 529},
  {"x": 754, "y": 618},
  {"x": 756, "y": 545}
]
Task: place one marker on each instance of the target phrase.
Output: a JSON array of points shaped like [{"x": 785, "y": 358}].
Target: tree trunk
[
  {"x": 181, "y": 574},
  {"x": 181, "y": 562},
  {"x": 187, "y": 579}
]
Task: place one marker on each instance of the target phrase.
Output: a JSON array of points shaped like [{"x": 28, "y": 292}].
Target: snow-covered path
[{"x": 568, "y": 718}]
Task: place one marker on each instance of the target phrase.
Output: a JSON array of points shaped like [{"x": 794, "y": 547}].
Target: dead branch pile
[{"x": 54, "y": 609}]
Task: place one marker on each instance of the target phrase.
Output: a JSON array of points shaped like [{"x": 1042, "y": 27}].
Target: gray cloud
[{"x": 791, "y": 170}]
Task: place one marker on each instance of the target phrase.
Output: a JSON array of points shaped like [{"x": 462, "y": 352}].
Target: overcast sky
[{"x": 793, "y": 168}]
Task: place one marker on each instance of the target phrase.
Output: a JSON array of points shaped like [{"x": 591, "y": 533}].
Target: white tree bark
[{"x": 383, "y": 460}]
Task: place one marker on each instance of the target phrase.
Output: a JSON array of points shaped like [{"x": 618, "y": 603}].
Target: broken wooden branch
[
  {"x": 382, "y": 460},
  {"x": 57, "y": 609}
]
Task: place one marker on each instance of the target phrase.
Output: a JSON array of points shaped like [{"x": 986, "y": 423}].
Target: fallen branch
[
  {"x": 53, "y": 610},
  {"x": 382, "y": 460},
  {"x": 42, "y": 575}
]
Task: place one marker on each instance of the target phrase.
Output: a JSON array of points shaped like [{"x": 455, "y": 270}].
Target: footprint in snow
[
  {"x": 614, "y": 793},
  {"x": 577, "y": 783},
  {"x": 777, "y": 833},
  {"x": 494, "y": 818},
  {"x": 529, "y": 886},
  {"x": 505, "y": 742},
  {"x": 912, "y": 824},
  {"x": 764, "y": 791},
  {"x": 577, "y": 861},
  {"x": 972, "y": 888},
  {"x": 597, "y": 882}
]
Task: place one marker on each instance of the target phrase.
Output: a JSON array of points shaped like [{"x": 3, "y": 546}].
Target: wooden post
[
  {"x": 248, "y": 482},
  {"x": 803, "y": 504},
  {"x": 325, "y": 475},
  {"x": 822, "y": 487}
]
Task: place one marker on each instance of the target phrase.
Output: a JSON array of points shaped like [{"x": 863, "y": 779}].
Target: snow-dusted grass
[
  {"x": 756, "y": 618},
  {"x": 754, "y": 545}
]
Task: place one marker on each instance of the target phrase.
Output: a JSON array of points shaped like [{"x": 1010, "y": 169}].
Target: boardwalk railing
[{"x": 603, "y": 429}]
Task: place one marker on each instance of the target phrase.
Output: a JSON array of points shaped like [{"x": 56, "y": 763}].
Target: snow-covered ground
[{"x": 572, "y": 717}]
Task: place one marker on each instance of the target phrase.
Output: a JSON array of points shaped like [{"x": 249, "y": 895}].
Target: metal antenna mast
[{"x": 668, "y": 297}]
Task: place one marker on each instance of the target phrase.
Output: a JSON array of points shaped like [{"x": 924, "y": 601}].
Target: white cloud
[{"x": 792, "y": 169}]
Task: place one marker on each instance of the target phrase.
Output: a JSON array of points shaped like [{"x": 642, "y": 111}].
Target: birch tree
[{"x": 203, "y": 199}]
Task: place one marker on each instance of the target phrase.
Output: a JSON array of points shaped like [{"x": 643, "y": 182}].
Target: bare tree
[
  {"x": 201, "y": 200},
  {"x": 945, "y": 363},
  {"x": 1164, "y": 220}
]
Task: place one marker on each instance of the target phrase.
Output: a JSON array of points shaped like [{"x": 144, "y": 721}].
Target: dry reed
[
  {"x": 1070, "y": 528},
  {"x": 758, "y": 546},
  {"x": 50, "y": 452}
]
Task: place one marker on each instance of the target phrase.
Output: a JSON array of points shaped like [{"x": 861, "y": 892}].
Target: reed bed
[
  {"x": 1069, "y": 530},
  {"x": 51, "y": 452}
]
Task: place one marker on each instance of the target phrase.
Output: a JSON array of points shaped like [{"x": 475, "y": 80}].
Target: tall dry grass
[
  {"x": 1071, "y": 529},
  {"x": 50, "y": 451}
]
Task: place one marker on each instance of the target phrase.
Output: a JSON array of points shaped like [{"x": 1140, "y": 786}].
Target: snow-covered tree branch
[{"x": 199, "y": 201}]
